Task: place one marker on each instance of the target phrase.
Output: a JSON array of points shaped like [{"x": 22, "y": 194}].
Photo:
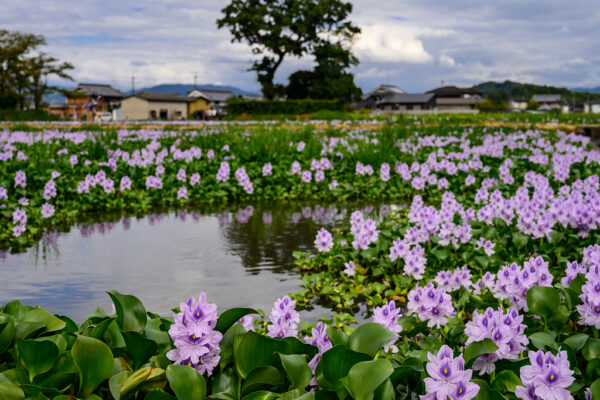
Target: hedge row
[{"x": 236, "y": 106}]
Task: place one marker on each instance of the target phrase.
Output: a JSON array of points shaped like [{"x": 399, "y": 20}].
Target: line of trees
[
  {"x": 276, "y": 29},
  {"x": 24, "y": 70}
]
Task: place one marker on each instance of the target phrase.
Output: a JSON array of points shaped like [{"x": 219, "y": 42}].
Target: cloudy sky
[{"x": 413, "y": 44}]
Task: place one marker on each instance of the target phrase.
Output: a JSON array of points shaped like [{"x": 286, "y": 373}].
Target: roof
[
  {"x": 96, "y": 89},
  {"x": 546, "y": 98},
  {"x": 453, "y": 91},
  {"x": 217, "y": 96},
  {"x": 166, "y": 97},
  {"x": 406, "y": 98},
  {"x": 383, "y": 90},
  {"x": 446, "y": 101}
]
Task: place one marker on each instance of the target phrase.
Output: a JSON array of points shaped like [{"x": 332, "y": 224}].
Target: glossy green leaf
[
  {"x": 186, "y": 382},
  {"x": 39, "y": 315},
  {"x": 296, "y": 394},
  {"x": 37, "y": 357},
  {"x": 7, "y": 332},
  {"x": 369, "y": 338},
  {"x": 252, "y": 350},
  {"x": 542, "y": 300},
  {"x": 484, "y": 390},
  {"x": 577, "y": 341},
  {"x": 133, "y": 381},
  {"x": 116, "y": 382},
  {"x": 230, "y": 317},
  {"x": 159, "y": 395},
  {"x": 262, "y": 395},
  {"x": 11, "y": 392},
  {"x": 337, "y": 336},
  {"x": 94, "y": 361},
  {"x": 265, "y": 375},
  {"x": 156, "y": 334},
  {"x": 506, "y": 381},
  {"x": 519, "y": 240},
  {"x": 595, "y": 389},
  {"x": 385, "y": 391},
  {"x": 139, "y": 348},
  {"x": 476, "y": 349},
  {"x": 131, "y": 314},
  {"x": 297, "y": 369},
  {"x": 541, "y": 340},
  {"x": 226, "y": 383},
  {"x": 591, "y": 349},
  {"x": 336, "y": 363},
  {"x": 366, "y": 376}
]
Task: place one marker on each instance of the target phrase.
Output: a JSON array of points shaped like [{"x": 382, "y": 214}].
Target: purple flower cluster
[
  {"x": 486, "y": 245},
  {"x": 547, "y": 377},
  {"x": 223, "y": 172},
  {"x": 324, "y": 240},
  {"x": 20, "y": 222},
  {"x": 244, "y": 180},
  {"x": 3, "y": 193},
  {"x": 181, "y": 176},
  {"x": 430, "y": 304},
  {"x": 590, "y": 296},
  {"x": 448, "y": 378},
  {"x": 49, "y": 190},
  {"x": 125, "y": 184},
  {"x": 196, "y": 341},
  {"x": 195, "y": 179},
  {"x": 267, "y": 169},
  {"x": 154, "y": 182},
  {"x": 365, "y": 231},
  {"x": 506, "y": 330},
  {"x": 449, "y": 281},
  {"x": 20, "y": 179},
  {"x": 388, "y": 316},
  {"x": 47, "y": 210},
  {"x": 321, "y": 340},
  {"x": 513, "y": 282},
  {"x": 284, "y": 318},
  {"x": 350, "y": 268}
]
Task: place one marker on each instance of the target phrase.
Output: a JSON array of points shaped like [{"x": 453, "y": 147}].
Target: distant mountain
[
  {"x": 183, "y": 89},
  {"x": 514, "y": 90},
  {"x": 588, "y": 90}
]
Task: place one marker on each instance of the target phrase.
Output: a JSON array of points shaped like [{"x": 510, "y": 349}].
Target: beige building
[{"x": 146, "y": 105}]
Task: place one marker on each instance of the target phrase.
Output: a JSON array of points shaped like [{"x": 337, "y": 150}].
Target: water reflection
[{"x": 240, "y": 256}]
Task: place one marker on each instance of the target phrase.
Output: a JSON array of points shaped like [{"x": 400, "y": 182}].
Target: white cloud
[
  {"x": 447, "y": 61},
  {"x": 391, "y": 43}
]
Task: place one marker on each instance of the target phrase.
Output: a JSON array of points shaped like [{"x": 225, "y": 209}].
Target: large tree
[
  {"x": 24, "y": 70},
  {"x": 277, "y": 28},
  {"x": 329, "y": 79}
]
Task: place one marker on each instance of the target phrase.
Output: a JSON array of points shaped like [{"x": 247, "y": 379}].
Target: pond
[{"x": 241, "y": 256}]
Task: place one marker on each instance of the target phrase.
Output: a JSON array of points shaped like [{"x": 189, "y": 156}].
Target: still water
[{"x": 240, "y": 256}]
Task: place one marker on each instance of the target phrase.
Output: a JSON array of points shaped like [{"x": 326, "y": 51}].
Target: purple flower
[
  {"x": 388, "y": 316},
  {"x": 323, "y": 240},
  {"x": 306, "y": 176},
  {"x": 333, "y": 184},
  {"x": 448, "y": 377},
  {"x": 108, "y": 185},
  {"x": 23, "y": 201},
  {"x": 181, "y": 177},
  {"x": 244, "y": 180},
  {"x": 267, "y": 169},
  {"x": 431, "y": 305},
  {"x": 547, "y": 377},
  {"x": 182, "y": 193},
  {"x": 223, "y": 172},
  {"x": 73, "y": 160},
  {"x": 195, "y": 179},
  {"x": 284, "y": 319},
  {"x": 247, "y": 322},
  {"x": 296, "y": 168},
  {"x": 19, "y": 216},
  {"x": 196, "y": 341},
  {"x": 154, "y": 182},
  {"x": 321, "y": 340},
  {"x": 20, "y": 179},
  {"x": 47, "y": 210},
  {"x": 350, "y": 268},
  {"x": 49, "y": 190},
  {"x": 125, "y": 184},
  {"x": 3, "y": 194}
]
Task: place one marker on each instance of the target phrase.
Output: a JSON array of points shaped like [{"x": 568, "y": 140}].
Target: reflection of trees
[{"x": 293, "y": 228}]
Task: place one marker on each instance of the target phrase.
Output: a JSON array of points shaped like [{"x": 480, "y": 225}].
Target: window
[{"x": 164, "y": 114}]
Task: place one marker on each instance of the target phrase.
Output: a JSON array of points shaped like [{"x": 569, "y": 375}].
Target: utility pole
[{"x": 132, "y": 84}]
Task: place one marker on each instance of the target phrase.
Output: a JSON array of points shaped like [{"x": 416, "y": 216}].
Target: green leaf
[
  {"x": 230, "y": 317},
  {"x": 36, "y": 357},
  {"x": 186, "y": 382},
  {"x": 95, "y": 362},
  {"x": 543, "y": 301},
  {"x": 116, "y": 383},
  {"x": 591, "y": 349},
  {"x": 7, "y": 332},
  {"x": 577, "y": 341},
  {"x": 337, "y": 336},
  {"x": 519, "y": 240},
  {"x": 476, "y": 349},
  {"x": 155, "y": 333},
  {"x": 11, "y": 392},
  {"x": 297, "y": 369},
  {"x": 560, "y": 317},
  {"x": 506, "y": 381},
  {"x": 159, "y": 395},
  {"x": 131, "y": 384},
  {"x": 335, "y": 364},
  {"x": 595, "y": 388},
  {"x": 541, "y": 339},
  {"x": 364, "y": 377},
  {"x": 252, "y": 350},
  {"x": 262, "y": 395},
  {"x": 139, "y": 348},
  {"x": 39, "y": 315},
  {"x": 369, "y": 338},
  {"x": 131, "y": 314},
  {"x": 484, "y": 391},
  {"x": 262, "y": 376},
  {"x": 385, "y": 391},
  {"x": 226, "y": 383}
]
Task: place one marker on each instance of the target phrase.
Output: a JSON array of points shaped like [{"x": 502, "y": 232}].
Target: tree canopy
[
  {"x": 24, "y": 70},
  {"x": 275, "y": 29}
]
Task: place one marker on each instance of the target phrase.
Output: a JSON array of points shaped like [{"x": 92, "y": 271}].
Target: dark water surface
[{"x": 240, "y": 256}]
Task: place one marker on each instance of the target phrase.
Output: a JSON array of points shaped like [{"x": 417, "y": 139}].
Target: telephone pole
[{"x": 132, "y": 84}]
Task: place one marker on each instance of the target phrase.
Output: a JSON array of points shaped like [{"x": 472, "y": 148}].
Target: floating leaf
[
  {"x": 131, "y": 314},
  {"x": 366, "y": 376},
  {"x": 95, "y": 362},
  {"x": 186, "y": 382},
  {"x": 369, "y": 338},
  {"x": 230, "y": 317},
  {"x": 476, "y": 349},
  {"x": 542, "y": 300},
  {"x": 36, "y": 357},
  {"x": 297, "y": 369}
]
